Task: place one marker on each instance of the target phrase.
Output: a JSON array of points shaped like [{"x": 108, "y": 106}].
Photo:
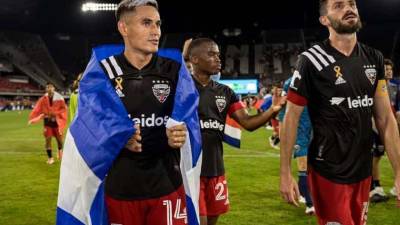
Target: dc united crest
[
  {"x": 370, "y": 72},
  {"x": 220, "y": 102},
  {"x": 161, "y": 90}
]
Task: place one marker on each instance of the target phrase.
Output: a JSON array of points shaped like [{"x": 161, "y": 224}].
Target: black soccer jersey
[
  {"x": 339, "y": 92},
  {"x": 148, "y": 96},
  {"x": 216, "y": 102}
]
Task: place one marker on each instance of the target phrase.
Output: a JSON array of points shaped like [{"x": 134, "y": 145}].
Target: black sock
[
  {"x": 49, "y": 153},
  {"x": 377, "y": 183},
  {"x": 372, "y": 186},
  {"x": 303, "y": 186}
]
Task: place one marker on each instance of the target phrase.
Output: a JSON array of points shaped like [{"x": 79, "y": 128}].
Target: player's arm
[
  {"x": 253, "y": 122},
  {"x": 288, "y": 134},
  {"x": 388, "y": 131}
]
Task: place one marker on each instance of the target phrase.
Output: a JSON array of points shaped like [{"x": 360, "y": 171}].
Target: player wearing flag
[
  {"x": 52, "y": 109},
  {"x": 144, "y": 185},
  {"x": 216, "y": 102}
]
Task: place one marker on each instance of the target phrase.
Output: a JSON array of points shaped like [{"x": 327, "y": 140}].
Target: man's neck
[
  {"x": 202, "y": 78},
  {"x": 137, "y": 59},
  {"x": 344, "y": 43}
]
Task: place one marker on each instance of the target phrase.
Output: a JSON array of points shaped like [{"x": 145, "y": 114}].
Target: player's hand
[
  {"x": 289, "y": 189},
  {"x": 134, "y": 144},
  {"x": 176, "y": 136}
]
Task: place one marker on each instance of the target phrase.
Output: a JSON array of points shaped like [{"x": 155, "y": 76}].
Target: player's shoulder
[
  {"x": 370, "y": 52},
  {"x": 167, "y": 65},
  {"x": 222, "y": 87},
  {"x": 57, "y": 96},
  {"x": 317, "y": 56}
]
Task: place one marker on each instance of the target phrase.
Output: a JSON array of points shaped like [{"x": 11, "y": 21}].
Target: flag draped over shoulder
[
  {"x": 232, "y": 132},
  {"x": 96, "y": 136},
  {"x": 100, "y": 130},
  {"x": 185, "y": 111},
  {"x": 43, "y": 109}
]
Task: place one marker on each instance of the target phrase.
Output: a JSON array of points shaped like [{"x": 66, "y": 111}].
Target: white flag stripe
[
  {"x": 330, "y": 58},
  {"x": 108, "y": 68},
  {"x": 116, "y": 67},
  {"x": 313, "y": 60},
  {"x": 76, "y": 195},
  {"x": 190, "y": 175},
  {"x": 319, "y": 56},
  {"x": 233, "y": 131}
]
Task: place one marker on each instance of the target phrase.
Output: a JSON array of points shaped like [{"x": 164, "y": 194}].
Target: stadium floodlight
[{"x": 94, "y": 7}]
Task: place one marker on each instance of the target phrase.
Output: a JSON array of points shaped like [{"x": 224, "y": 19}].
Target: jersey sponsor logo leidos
[
  {"x": 212, "y": 124},
  {"x": 370, "y": 72},
  {"x": 161, "y": 90},
  {"x": 220, "y": 102},
  {"x": 359, "y": 102},
  {"x": 150, "y": 121}
]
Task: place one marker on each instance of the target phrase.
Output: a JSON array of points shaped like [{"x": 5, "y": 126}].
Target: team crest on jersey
[
  {"x": 370, "y": 72},
  {"x": 339, "y": 76},
  {"x": 220, "y": 102},
  {"x": 161, "y": 90}
]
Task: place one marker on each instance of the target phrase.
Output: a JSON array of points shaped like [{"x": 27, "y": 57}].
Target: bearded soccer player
[
  {"x": 216, "y": 102},
  {"x": 341, "y": 81},
  {"x": 52, "y": 109},
  {"x": 144, "y": 185}
]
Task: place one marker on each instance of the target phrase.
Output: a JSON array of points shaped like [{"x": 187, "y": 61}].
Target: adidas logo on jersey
[
  {"x": 354, "y": 103},
  {"x": 151, "y": 121},
  {"x": 211, "y": 124},
  {"x": 340, "y": 80}
]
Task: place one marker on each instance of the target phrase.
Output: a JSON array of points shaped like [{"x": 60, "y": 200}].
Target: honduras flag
[{"x": 101, "y": 129}]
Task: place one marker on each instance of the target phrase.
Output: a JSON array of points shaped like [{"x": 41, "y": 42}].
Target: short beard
[{"x": 341, "y": 28}]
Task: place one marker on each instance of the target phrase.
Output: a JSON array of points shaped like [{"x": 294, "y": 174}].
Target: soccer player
[
  {"x": 144, "y": 185},
  {"x": 216, "y": 102},
  {"x": 73, "y": 98},
  {"x": 341, "y": 81},
  {"x": 51, "y": 107}
]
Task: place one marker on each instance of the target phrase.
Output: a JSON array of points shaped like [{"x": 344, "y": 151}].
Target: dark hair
[
  {"x": 388, "y": 62},
  {"x": 197, "y": 43},
  {"x": 322, "y": 7},
  {"x": 126, "y": 6},
  {"x": 49, "y": 83}
]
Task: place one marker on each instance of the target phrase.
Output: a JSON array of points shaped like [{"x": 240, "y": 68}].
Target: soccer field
[{"x": 28, "y": 186}]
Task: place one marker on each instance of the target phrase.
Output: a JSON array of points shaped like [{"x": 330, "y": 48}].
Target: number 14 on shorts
[{"x": 175, "y": 214}]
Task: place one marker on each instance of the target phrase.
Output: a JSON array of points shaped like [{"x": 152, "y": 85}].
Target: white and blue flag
[{"x": 101, "y": 129}]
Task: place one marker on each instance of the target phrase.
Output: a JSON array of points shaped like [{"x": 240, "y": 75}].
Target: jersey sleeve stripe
[
  {"x": 235, "y": 107},
  {"x": 313, "y": 60},
  {"x": 319, "y": 56},
  {"x": 116, "y": 66},
  {"x": 108, "y": 68},
  {"x": 330, "y": 58},
  {"x": 297, "y": 99}
]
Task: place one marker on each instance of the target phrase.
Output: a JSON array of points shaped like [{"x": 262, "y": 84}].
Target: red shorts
[
  {"x": 335, "y": 203},
  {"x": 275, "y": 125},
  {"x": 167, "y": 210},
  {"x": 51, "y": 132},
  {"x": 213, "y": 196}
]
